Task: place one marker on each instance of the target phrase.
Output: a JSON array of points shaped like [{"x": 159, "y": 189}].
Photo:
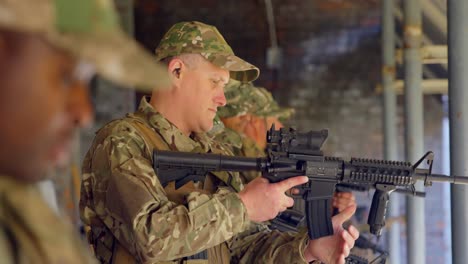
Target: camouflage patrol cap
[
  {"x": 89, "y": 30},
  {"x": 199, "y": 38},
  {"x": 245, "y": 98}
]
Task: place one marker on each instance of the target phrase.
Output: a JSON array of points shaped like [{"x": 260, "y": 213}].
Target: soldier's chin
[
  {"x": 203, "y": 128},
  {"x": 209, "y": 127}
]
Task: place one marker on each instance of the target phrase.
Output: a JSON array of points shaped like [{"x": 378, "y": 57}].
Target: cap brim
[
  {"x": 239, "y": 69},
  {"x": 117, "y": 58}
]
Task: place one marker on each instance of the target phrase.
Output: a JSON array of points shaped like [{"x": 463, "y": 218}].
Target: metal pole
[
  {"x": 390, "y": 123},
  {"x": 414, "y": 136},
  {"x": 430, "y": 54},
  {"x": 428, "y": 86},
  {"x": 458, "y": 114},
  {"x": 434, "y": 54}
]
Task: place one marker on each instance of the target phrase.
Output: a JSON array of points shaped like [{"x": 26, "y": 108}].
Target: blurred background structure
[{"x": 327, "y": 59}]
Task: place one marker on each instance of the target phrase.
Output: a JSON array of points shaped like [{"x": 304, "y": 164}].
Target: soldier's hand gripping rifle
[{"x": 291, "y": 154}]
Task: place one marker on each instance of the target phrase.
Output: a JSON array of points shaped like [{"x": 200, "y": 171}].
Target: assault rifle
[{"x": 291, "y": 154}]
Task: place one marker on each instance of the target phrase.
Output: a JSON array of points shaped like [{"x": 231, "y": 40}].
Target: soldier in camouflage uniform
[
  {"x": 133, "y": 218},
  {"x": 48, "y": 50},
  {"x": 245, "y": 115}
]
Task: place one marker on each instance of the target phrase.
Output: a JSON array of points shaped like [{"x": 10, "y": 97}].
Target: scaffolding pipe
[
  {"x": 432, "y": 54},
  {"x": 458, "y": 114},
  {"x": 436, "y": 16},
  {"x": 431, "y": 86},
  {"x": 390, "y": 122},
  {"x": 414, "y": 136}
]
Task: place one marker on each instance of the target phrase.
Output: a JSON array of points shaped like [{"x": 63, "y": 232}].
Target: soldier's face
[
  {"x": 237, "y": 123},
  {"x": 202, "y": 94},
  {"x": 41, "y": 103},
  {"x": 250, "y": 125}
]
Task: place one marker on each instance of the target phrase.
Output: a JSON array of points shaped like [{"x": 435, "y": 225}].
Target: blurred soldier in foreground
[
  {"x": 132, "y": 216},
  {"x": 48, "y": 52}
]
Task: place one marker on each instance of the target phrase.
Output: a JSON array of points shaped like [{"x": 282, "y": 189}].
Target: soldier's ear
[
  {"x": 176, "y": 73},
  {"x": 175, "y": 70}
]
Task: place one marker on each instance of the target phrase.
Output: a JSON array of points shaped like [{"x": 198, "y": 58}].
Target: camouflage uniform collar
[{"x": 198, "y": 142}]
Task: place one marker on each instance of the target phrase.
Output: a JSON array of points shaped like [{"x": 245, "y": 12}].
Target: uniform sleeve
[
  {"x": 134, "y": 205},
  {"x": 262, "y": 245}
]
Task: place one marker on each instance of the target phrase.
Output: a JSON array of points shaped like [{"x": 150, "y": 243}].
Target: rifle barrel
[{"x": 445, "y": 178}]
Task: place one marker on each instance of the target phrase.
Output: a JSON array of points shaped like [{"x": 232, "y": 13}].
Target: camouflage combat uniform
[
  {"x": 30, "y": 232},
  {"x": 126, "y": 205}
]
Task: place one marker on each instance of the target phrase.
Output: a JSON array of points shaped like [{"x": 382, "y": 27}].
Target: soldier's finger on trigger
[
  {"x": 292, "y": 191},
  {"x": 292, "y": 182}
]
